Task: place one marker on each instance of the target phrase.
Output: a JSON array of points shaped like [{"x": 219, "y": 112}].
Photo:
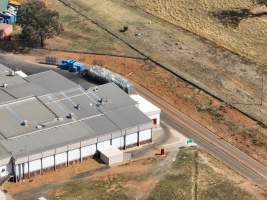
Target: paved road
[{"x": 231, "y": 156}]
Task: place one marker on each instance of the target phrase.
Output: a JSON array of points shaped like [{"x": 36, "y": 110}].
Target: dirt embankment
[
  {"x": 220, "y": 118},
  {"x": 216, "y": 70}
]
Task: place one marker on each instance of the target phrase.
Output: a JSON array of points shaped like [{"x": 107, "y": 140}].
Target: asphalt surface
[
  {"x": 16, "y": 63},
  {"x": 222, "y": 150},
  {"x": 231, "y": 156}
]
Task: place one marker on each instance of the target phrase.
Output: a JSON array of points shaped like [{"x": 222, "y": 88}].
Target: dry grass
[
  {"x": 249, "y": 38},
  {"x": 82, "y": 35}
]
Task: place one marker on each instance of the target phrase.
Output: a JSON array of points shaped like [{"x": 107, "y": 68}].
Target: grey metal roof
[
  {"x": 5, "y": 97},
  {"x": 102, "y": 125},
  {"x": 3, "y": 69},
  {"x": 25, "y": 90},
  {"x": 127, "y": 117},
  {"x": 11, "y": 80},
  {"x": 4, "y": 156},
  {"x": 51, "y": 81},
  {"x": 47, "y": 99},
  {"x": 48, "y": 139},
  {"x": 113, "y": 97},
  {"x": 13, "y": 114}
]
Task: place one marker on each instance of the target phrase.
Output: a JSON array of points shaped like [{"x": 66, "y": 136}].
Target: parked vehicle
[
  {"x": 8, "y": 18},
  {"x": 72, "y": 66}
]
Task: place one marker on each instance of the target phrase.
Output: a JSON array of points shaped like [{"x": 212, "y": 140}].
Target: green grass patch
[{"x": 214, "y": 112}]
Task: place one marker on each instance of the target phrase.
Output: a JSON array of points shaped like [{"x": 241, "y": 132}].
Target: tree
[
  {"x": 263, "y": 2},
  {"x": 38, "y": 23}
]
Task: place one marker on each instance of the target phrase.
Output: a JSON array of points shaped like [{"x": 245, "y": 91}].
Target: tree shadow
[
  {"x": 262, "y": 2},
  {"x": 232, "y": 18},
  {"x": 15, "y": 45}
]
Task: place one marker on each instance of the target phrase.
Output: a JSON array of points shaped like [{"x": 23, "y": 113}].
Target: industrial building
[{"x": 48, "y": 121}]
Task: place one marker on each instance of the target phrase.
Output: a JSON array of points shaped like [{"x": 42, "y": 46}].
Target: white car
[{"x": 42, "y": 198}]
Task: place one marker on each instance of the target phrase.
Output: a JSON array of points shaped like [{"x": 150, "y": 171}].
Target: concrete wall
[{"x": 64, "y": 155}]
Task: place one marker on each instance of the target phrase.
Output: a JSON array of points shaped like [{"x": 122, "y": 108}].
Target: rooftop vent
[
  {"x": 95, "y": 89},
  {"x": 24, "y": 123},
  {"x": 5, "y": 85},
  {"x": 12, "y": 73},
  {"x": 39, "y": 126},
  {"x": 70, "y": 116},
  {"x": 77, "y": 106}
]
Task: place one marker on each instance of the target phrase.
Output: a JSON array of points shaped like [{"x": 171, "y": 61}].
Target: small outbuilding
[
  {"x": 149, "y": 109},
  {"x": 5, "y": 31},
  {"x": 111, "y": 155}
]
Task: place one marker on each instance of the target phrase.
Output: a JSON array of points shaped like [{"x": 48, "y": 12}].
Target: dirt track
[{"x": 214, "y": 69}]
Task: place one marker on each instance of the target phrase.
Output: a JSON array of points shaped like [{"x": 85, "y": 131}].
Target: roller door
[
  {"x": 35, "y": 165},
  {"x": 25, "y": 168},
  {"x": 118, "y": 142},
  {"x": 17, "y": 170},
  {"x": 74, "y": 155},
  {"x": 48, "y": 162},
  {"x": 61, "y": 158},
  {"x": 145, "y": 135},
  {"x": 88, "y": 150},
  {"x": 131, "y": 139},
  {"x": 103, "y": 144}
]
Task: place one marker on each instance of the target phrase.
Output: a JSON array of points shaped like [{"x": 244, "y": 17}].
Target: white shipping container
[{"x": 111, "y": 155}]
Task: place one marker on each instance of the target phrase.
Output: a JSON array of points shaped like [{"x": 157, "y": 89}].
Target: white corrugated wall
[
  {"x": 103, "y": 144},
  {"x": 118, "y": 142},
  {"x": 48, "y": 162},
  {"x": 61, "y": 158},
  {"x": 88, "y": 150},
  {"x": 131, "y": 139},
  {"x": 145, "y": 135},
  {"x": 35, "y": 165},
  {"x": 74, "y": 155}
]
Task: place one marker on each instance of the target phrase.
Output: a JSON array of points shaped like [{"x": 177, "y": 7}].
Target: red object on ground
[
  {"x": 5, "y": 31},
  {"x": 162, "y": 151}
]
